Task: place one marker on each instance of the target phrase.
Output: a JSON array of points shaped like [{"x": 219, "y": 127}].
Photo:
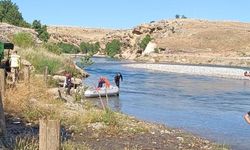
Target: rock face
[
  {"x": 150, "y": 48},
  {"x": 7, "y": 31}
]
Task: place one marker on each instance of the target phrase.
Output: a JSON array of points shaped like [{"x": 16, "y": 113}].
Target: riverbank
[
  {"x": 224, "y": 72},
  {"x": 86, "y": 126}
]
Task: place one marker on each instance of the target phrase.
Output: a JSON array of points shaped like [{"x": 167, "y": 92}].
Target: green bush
[
  {"x": 113, "y": 48},
  {"x": 68, "y": 48},
  {"x": 41, "y": 30},
  {"x": 54, "y": 48},
  {"x": 23, "y": 40},
  {"x": 85, "y": 61},
  {"x": 143, "y": 44},
  {"x": 90, "y": 48}
]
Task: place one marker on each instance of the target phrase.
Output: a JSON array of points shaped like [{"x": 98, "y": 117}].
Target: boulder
[{"x": 150, "y": 48}]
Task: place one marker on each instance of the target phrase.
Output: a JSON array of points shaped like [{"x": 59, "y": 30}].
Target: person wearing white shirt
[{"x": 14, "y": 65}]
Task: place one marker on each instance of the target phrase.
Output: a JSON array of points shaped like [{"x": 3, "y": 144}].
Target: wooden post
[
  {"x": 46, "y": 75},
  {"x": 2, "y": 81},
  {"x": 2, "y": 90},
  {"x": 49, "y": 135},
  {"x": 27, "y": 74}
]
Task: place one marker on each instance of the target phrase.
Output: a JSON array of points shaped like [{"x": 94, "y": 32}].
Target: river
[{"x": 206, "y": 106}]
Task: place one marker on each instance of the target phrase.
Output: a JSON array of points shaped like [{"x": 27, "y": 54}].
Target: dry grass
[
  {"x": 41, "y": 57},
  {"x": 33, "y": 102},
  {"x": 202, "y": 37}
]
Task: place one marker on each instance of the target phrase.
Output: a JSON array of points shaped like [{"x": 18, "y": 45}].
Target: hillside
[{"x": 178, "y": 41}]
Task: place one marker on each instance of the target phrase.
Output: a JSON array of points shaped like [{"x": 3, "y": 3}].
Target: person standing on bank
[
  {"x": 15, "y": 65},
  {"x": 68, "y": 83},
  {"x": 117, "y": 78}
]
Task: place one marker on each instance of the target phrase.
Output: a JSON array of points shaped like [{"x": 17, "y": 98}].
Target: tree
[
  {"x": 68, "y": 48},
  {"x": 9, "y": 13},
  {"x": 183, "y": 17},
  {"x": 90, "y": 48},
  {"x": 36, "y": 24},
  {"x": 113, "y": 48},
  {"x": 177, "y": 16},
  {"x": 41, "y": 30},
  {"x": 143, "y": 44}
]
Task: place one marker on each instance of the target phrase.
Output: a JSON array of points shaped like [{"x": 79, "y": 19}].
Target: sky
[{"x": 122, "y": 14}]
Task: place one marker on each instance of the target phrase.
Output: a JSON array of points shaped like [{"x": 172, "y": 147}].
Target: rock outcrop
[{"x": 7, "y": 31}]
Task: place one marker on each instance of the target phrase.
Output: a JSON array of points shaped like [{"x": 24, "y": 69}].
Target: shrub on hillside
[
  {"x": 89, "y": 48},
  {"x": 113, "y": 48},
  {"x": 68, "y": 48},
  {"x": 54, "y": 48},
  {"x": 143, "y": 44},
  {"x": 43, "y": 34},
  {"x": 23, "y": 40}
]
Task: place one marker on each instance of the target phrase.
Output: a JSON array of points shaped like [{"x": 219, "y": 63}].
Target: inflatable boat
[{"x": 96, "y": 92}]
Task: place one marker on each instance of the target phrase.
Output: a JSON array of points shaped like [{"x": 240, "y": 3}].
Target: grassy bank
[
  {"x": 93, "y": 128},
  {"x": 88, "y": 126},
  {"x": 41, "y": 57}
]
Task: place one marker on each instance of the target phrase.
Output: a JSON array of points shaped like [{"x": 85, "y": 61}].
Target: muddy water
[{"x": 206, "y": 106}]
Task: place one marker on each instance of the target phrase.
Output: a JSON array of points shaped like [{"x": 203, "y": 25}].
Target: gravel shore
[{"x": 234, "y": 73}]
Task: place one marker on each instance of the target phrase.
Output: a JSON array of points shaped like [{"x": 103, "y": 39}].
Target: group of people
[{"x": 104, "y": 81}]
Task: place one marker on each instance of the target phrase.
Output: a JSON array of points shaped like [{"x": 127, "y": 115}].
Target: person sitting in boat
[
  {"x": 103, "y": 80},
  {"x": 117, "y": 78}
]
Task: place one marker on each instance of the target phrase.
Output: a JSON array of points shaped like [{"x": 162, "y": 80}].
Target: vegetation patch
[
  {"x": 26, "y": 143},
  {"x": 9, "y": 13},
  {"x": 143, "y": 44},
  {"x": 113, "y": 48},
  {"x": 68, "y": 48},
  {"x": 40, "y": 58},
  {"x": 43, "y": 34},
  {"x": 23, "y": 40},
  {"x": 54, "y": 48},
  {"x": 90, "y": 48}
]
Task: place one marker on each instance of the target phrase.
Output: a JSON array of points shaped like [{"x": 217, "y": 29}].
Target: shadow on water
[{"x": 207, "y": 106}]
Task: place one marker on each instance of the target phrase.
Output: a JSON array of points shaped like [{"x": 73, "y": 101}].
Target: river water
[{"x": 206, "y": 106}]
